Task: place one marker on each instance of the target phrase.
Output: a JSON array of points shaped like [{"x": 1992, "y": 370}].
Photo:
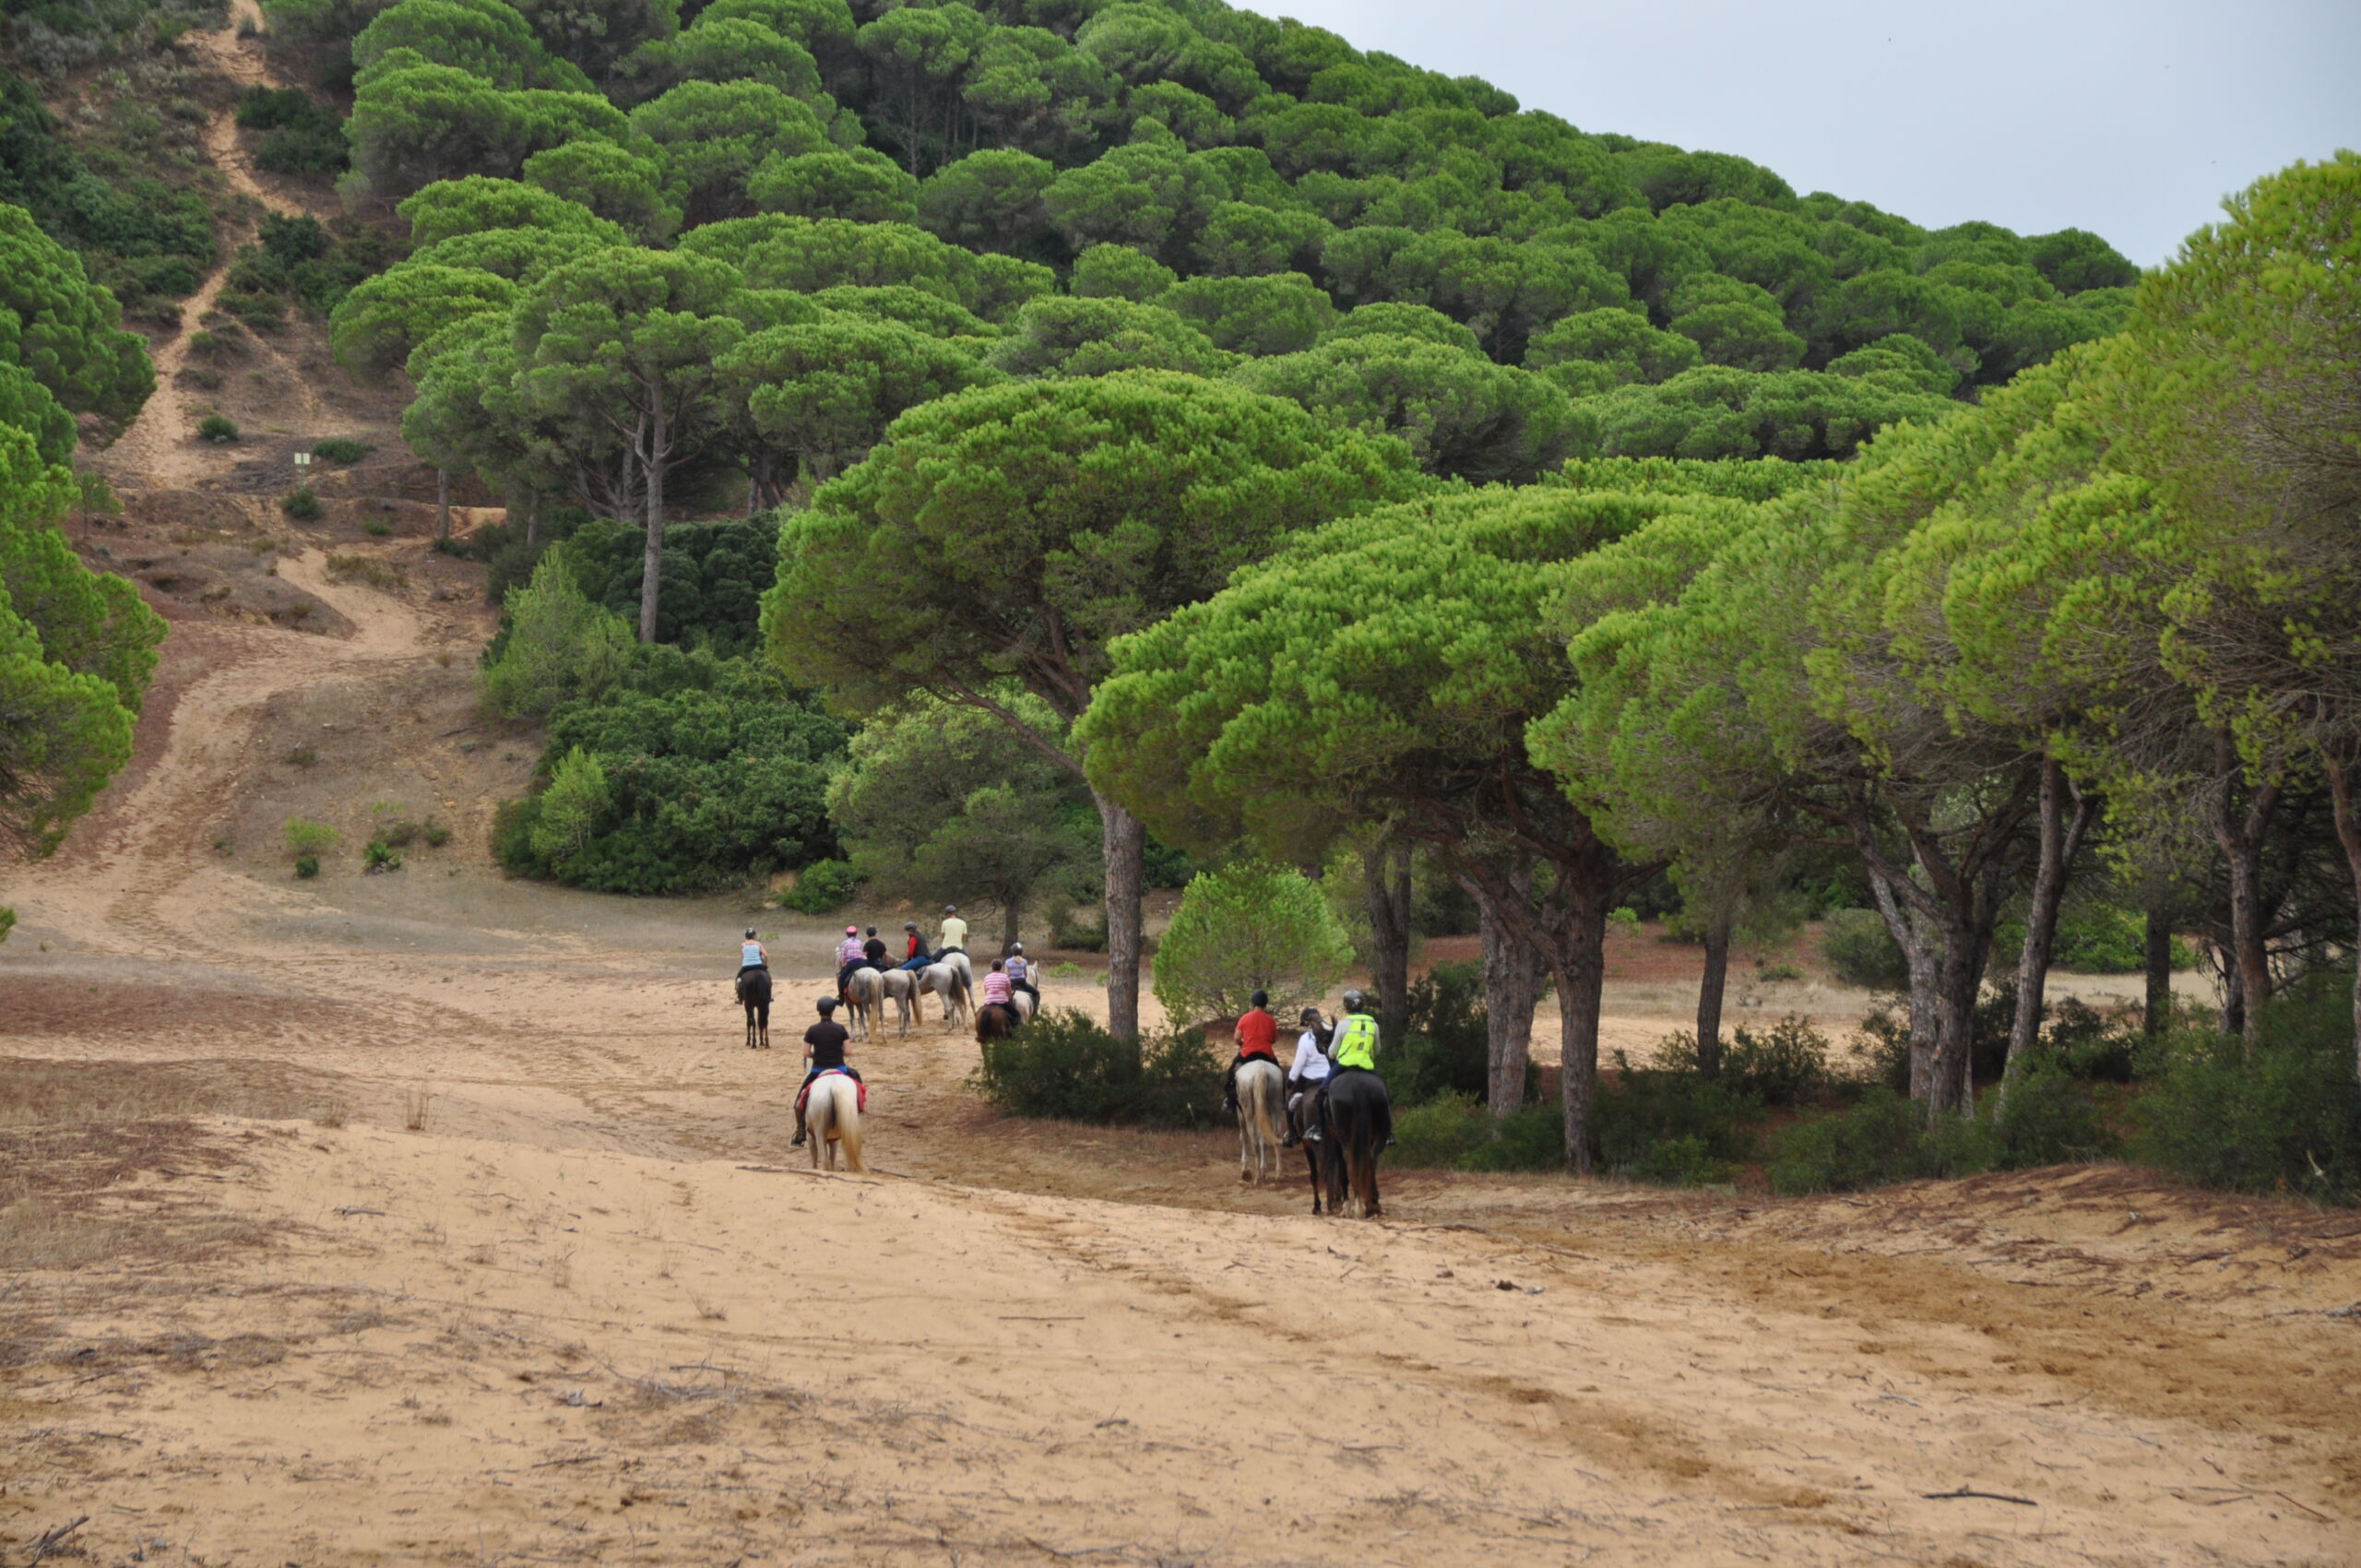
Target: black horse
[
  {"x": 1326, "y": 1172},
  {"x": 754, "y": 995},
  {"x": 1360, "y": 1124}
]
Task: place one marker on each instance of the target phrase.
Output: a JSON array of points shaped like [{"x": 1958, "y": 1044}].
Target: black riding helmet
[{"x": 827, "y": 1005}]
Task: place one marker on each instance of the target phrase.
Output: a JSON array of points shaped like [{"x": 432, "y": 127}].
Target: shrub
[
  {"x": 1641, "y": 1113},
  {"x": 1448, "y": 1050},
  {"x": 307, "y": 865},
  {"x": 2283, "y": 1114},
  {"x": 1531, "y": 1139},
  {"x": 1782, "y": 1066},
  {"x": 216, "y": 430},
  {"x": 821, "y": 886},
  {"x": 1861, "y": 951},
  {"x": 376, "y": 528},
  {"x": 341, "y": 449},
  {"x": 1876, "y": 1142},
  {"x": 1065, "y": 1064},
  {"x": 1251, "y": 926},
  {"x": 380, "y": 856},
  {"x": 1441, "y": 1133},
  {"x": 301, "y": 504},
  {"x": 1075, "y": 934},
  {"x": 307, "y": 837},
  {"x": 554, "y": 644}
]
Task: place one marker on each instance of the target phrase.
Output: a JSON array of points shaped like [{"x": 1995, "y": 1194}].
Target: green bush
[
  {"x": 1877, "y": 1141},
  {"x": 821, "y": 886},
  {"x": 216, "y": 429},
  {"x": 1441, "y": 1133},
  {"x": 1447, "y": 1051},
  {"x": 1064, "y": 1064},
  {"x": 376, "y": 529},
  {"x": 1075, "y": 934},
  {"x": 380, "y": 856},
  {"x": 1860, "y": 951},
  {"x": 2284, "y": 1114},
  {"x": 305, "y": 836},
  {"x": 1251, "y": 926},
  {"x": 1782, "y": 1066},
  {"x": 301, "y": 504},
  {"x": 341, "y": 449},
  {"x": 1641, "y": 1114},
  {"x": 307, "y": 865},
  {"x": 1530, "y": 1139}
]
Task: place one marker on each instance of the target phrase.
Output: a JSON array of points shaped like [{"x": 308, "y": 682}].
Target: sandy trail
[{"x": 566, "y": 1322}]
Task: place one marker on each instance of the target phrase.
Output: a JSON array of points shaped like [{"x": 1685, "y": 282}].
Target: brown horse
[{"x": 754, "y": 994}]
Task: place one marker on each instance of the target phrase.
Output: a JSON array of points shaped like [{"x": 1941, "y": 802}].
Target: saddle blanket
[{"x": 861, "y": 1092}]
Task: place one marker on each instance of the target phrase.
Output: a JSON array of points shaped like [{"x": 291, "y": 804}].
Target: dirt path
[{"x": 566, "y": 1321}]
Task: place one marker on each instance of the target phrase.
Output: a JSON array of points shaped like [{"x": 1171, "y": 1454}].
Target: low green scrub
[
  {"x": 1447, "y": 1051},
  {"x": 822, "y": 886},
  {"x": 1860, "y": 951},
  {"x": 2097, "y": 939},
  {"x": 305, "y": 836},
  {"x": 300, "y": 134},
  {"x": 216, "y": 429},
  {"x": 700, "y": 772},
  {"x": 1064, "y": 1064},
  {"x": 341, "y": 449},
  {"x": 2281, "y": 1115},
  {"x": 301, "y": 504},
  {"x": 1883, "y": 1138}
]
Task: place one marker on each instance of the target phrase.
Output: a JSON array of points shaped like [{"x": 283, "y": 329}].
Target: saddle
[{"x": 860, "y": 1090}]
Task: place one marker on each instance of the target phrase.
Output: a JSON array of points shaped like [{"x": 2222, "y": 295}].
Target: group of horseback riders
[{"x": 1325, "y": 1051}]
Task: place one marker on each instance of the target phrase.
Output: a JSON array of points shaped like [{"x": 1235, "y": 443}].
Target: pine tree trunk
[
  {"x": 1925, "y": 1025},
  {"x": 1123, "y": 842},
  {"x": 2347, "y": 812},
  {"x": 442, "y": 503},
  {"x": 1581, "y": 972},
  {"x": 1709, "y": 998},
  {"x": 652, "y": 559},
  {"x": 1010, "y": 910},
  {"x": 1512, "y": 971},
  {"x": 1386, "y": 871},
  {"x": 2061, "y": 837},
  {"x": 2159, "y": 965},
  {"x": 2240, "y": 838},
  {"x": 532, "y": 518}
]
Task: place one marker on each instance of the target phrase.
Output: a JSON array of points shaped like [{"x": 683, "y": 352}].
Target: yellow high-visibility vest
[{"x": 1357, "y": 1043}]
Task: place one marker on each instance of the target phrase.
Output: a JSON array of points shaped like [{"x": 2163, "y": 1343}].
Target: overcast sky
[{"x": 2130, "y": 119}]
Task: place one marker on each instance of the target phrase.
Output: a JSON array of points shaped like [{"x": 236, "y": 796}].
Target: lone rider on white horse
[
  {"x": 850, "y": 957},
  {"x": 824, "y": 1051},
  {"x": 1020, "y": 975},
  {"x": 954, "y": 932},
  {"x": 1257, "y": 1033}
]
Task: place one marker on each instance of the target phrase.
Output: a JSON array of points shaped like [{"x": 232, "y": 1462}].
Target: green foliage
[
  {"x": 1447, "y": 1050},
  {"x": 1674, "y": 1127},
  {"x": 1883, "y": 1138},
  {"x": 1439, "y": 1131},
  {"x": 710, "y": 590},
  {"x": 301, "y": 504},
  {"x": 300, "y": 134},
  {"x": 378, "y": 855},
  {"x": 305, "y": 836},
  {"x": 2283, "y": 1114},
  {"x": 1249, "y": 927},
  {"x": 823, "y": 886},
  {"x": 1064, "y": 1064},
  {"x": 556, "y": 646},
  {"x": 65, "y": 331},
  {"x": 307, "y": 866},
  {"x": 1879, "y": 1140},
  {"x": 1861, "y": 951},
  {"x": 1781, "y": 1066},
  {"x": 341, "y": 449},
  {"x": 693, "y": 772},
  {"x": 1719, "y": 412},
  {"x": 942, "y": 801},
  {"x": 216, "y": 429}
]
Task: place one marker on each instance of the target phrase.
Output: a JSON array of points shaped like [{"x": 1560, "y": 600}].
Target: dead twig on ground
[
  {"x": 1990, "y": 1496},
  {"x": 50, "y": 1542}
]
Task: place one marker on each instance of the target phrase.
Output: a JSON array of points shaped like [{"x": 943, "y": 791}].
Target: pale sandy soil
[{"x": 433, "y": 1217}]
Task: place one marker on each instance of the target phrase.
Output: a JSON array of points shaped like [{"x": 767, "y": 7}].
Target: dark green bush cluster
[
  {"x": 2282, "y": 1115},
  {"x": 298, "y": 258},
  {"x": 822, "y": 886},
  {"x": 301, "y": 504},
  {"x": 1446, "y": 1050},
  {"x": 1066, "y": 1065},
  {"x": 714, "y": 576},
  {"x": 716, "y": 772},
  {"x": 1860, "y": 951},
  {"x": 216, "y": 429},
  {"x": 2097, "y": 939},
  {"x": 1883, "y": 1138},
  {"x": 143, "y": 240},
  {"x": 301, "y": 135},
  {"x": 341, "y": 449}
]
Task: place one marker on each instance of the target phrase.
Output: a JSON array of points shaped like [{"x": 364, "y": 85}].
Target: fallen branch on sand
[
  {"x": 55, "y": 1539},
  {"x": 1990, "y": 1496}
]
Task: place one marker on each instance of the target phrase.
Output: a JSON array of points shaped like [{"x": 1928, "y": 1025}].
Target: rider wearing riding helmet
[
  {"x": 824, "y": 1051},
  {"x": 914, "y": 956},
  {"x": 751, "y": 955},
  {"x": 1310, "y": 1069},
  {"x": 997, "y": 989},
  {"x": 1257, "y": 1034},
  {"x": 850, "y": 957},
  {"x": 1355, "y": 1051},
  {"x": 1020, "y": 974},
  {"x": 954, "y": 932}
]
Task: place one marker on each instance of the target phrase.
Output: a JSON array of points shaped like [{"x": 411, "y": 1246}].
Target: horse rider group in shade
[{"x": 1322, "y": 1051}]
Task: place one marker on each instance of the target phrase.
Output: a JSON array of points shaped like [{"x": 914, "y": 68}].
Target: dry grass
[
  {"x": 380, "y": 574},
  {"x": 418, "y": 1104},
  {"x": 36, "y": 1093}
]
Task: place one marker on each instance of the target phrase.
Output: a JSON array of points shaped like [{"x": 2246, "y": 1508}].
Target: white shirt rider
[{"x": 1310, "y": 1064}]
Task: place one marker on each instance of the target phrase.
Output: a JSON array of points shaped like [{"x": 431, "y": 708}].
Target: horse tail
[
  {"x": 849, "y": 1126},
  {"x": 1267, "y": 1099}
]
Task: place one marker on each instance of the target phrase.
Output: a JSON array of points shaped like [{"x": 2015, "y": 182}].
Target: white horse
[
  {"x": 902, "y": 989},
  {"x": 832, "y": 1117},
  {"x": 959, "y": 962},
  {"x": 950, "y": 983},
  {"x": 1261, "y": 1096},
  {"x": 866, "y": 991}
]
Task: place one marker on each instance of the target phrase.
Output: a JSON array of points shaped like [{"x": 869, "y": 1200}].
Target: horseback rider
[
  {"x": 915, "y": 956},
  {"x": 1311, "y": 1069},
  {"x": 1355, "y": 1051},
  {"x": 997, "y": 991},
  {"x": 823, "y": 1051},
  {"x": 1020, "y": 975},
  {"x": 954, "y": 932},
  {"x": 751, "y": 955},
  {"x": 850, "y": 957},
  {"x": 873, "y": 950},
  {"x": 1257, "y": 1034}
]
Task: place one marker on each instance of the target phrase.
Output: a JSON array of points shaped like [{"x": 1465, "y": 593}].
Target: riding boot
[{"x": 799, "y": 1133}]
